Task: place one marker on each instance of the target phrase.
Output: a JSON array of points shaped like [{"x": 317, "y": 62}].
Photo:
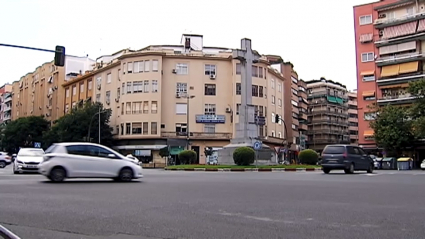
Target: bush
[
  {"x": 244, "y": 156},
  {"x": 308, "y": 156},
  {"x": 187, "y": 157}
]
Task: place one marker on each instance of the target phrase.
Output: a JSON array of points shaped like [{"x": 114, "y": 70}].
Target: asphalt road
[{"x": 217, "y": 205}]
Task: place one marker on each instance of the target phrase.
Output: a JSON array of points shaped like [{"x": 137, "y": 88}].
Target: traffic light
[
  {"x": 59, "y": 56},
  {"x": 277, "y": 118}
]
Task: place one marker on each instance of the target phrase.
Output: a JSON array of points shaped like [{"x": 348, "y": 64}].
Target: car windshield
[
  {"x": 31, "y": 152},
  {"x": 334, "y": 150}
]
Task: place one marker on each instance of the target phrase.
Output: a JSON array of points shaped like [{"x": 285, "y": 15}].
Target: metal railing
[
  {"x": 403, "y": 18},
  {"x": 398, "y": 57}
]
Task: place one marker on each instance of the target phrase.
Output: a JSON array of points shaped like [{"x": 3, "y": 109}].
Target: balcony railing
[
  {"x": 328, "y": 131},
  {"x": 399, "y": 57},
  {"x": 196, "y": 135},
  {"x": 394, "y": 98},
  {"x": 327, "y": 112},
  {"x": 7, "y": 99},
  {"x": 327, "y": 93},
  {"x": 404, "y": 18},
  {"x": 7, "y": 108},
  {"x": 401, "y": 78},
  {"x": 352, "y": 111},
  {"x": 6, "y": 117},
  {"x": 326, "y": 121}
]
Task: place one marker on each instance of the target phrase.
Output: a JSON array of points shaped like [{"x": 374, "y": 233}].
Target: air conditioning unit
[
  {"x": 382, "y": 15},
  {"x": 178, "y": 95},
  {"x": 228, "y": 110},
  {"x": 212, "y": 76},
  {"x": 174, "y": 71}
]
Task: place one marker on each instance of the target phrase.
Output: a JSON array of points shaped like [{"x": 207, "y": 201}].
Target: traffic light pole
[{"x": 59, "y": 52}]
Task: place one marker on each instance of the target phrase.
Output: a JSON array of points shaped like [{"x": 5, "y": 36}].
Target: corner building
[{"x": 180, "y": 96}]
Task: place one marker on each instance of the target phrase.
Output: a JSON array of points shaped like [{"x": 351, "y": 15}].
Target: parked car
[
  {"x": 347, "y": 157},
  {"x": 87, "y": 160},
  {"x": 423, "y": 165},
  {"x": 4, "y": 159},
  {"x": 27, "y": 160}
]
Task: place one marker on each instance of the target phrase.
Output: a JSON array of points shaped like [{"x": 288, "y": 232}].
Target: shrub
[
  {"x": 308, "y": 156},
  {"x": 187, "y": 157},
  {"x": 244, "y": 156}
]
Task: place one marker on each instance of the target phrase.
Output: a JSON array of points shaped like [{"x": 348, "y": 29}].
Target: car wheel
[
  {"x": 350, "y": 169},
  {"x": 125, "y": 175},
  {"x": 370, "y": 169},
  {"x": 2, "y": 164},
  {"x": 57, "y": 175},
  {"x": 326, "y": 170}
]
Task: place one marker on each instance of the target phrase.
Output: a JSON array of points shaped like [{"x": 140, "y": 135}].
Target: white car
[
  {"x": 423, "y": 165},
  {"x": 4, "y": 159},
  {"x": 87, "y": 160},
  {"x": 27, "y": 160}
]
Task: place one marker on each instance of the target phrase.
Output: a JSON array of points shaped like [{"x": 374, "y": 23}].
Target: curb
[
  {"x": 246, "y": 169},
  {"x": 5, "y": 233}
]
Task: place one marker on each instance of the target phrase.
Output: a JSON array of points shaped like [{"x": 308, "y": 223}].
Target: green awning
[
  {"x": 176, "y": 150},
  {"x": 332, "y": 99},
  {"x": 339, "y": 100}
]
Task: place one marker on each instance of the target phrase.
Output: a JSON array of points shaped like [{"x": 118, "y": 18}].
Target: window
[
  {"x": 136, "y": 67},
  {"x": 294, "y": 91},
  {"x": 261, "y": 111},
  {"x": 130, "y": 67},
  {"x": 145, "y": 128},
  {"x": 109, "y": 78},
  {"x": 123, "y": 88},
  {"x": 272, "y": 83},
  {"x": 129, "y": 88},
  {"x": 279, "y": 102},
  {"x": 209, "y": 89},
  {"x": 127, "y": 128},
  {"x": 154, "y": 128},
  {"x": 273, "y": 133},
  {"x": 238, "y": 107},
  {"x": 146, "y": 86},
  {"x": 294, "y": 103},
  {"x": 210, "y": 69},
  {"x": 90, "y": 85},
  {"x": 99, "y": 81},
  {"x": 137, "y": 86},
  {"x": 209, "y": 109},
  {"x": 128, "y": 108},
  {"x": 273, "y": 118},
  {"x": 137, "y": 107},
  {"x": 136, "y": 128},
  {"x": 255, "y": 90},
  {"x": 74, "y": 104},
  {"x": 82, "y": 88},
  {"x": 182, "y": 69},
  {"x": 67, "y": 92},
  {"x": 254, "y": 71},
  {"x": 181, "y": 128},
  {"x": 367, "y": 19},
  {"x": 238, "y": 88},
  {"x": 410, "y": 11},
  {"x": 368, "y": 98},
  {"x": 108, "y": 97},
  {"x": 238, "y": 68},
  {"x": 74, "y": 90},
  {"x": 145, "y": 107},
  {"x": 279, "y": 134},
  {"x": 273, "y": 99},
  {"x": 154, "y": 65},
  {"x": 97, "y": 97},
  {"x": 122, "y": 129},
  {"x": 154, "y": 86},
  {"x": 154, "y": 107},
  {"x": 147, "y": 66},
  {"x": 260, "y": 72},
  {"x": 369, "y": 78},
  {"x": 181, "y": 88},
  {"x": 334, "y": 150},
  {"x": 369, "y": 115},
  {"x": 141, "y": 66},
  {"x": 118, "y": 92},
  {"x": 260, "y": 91},
  {"x": 369, "y": 56},
  {"x": 279, "y": 87},
  {"x": 123, "y": 67},
  {"x": 181, "y": 108},
  {"x": 209, "y": 128}
]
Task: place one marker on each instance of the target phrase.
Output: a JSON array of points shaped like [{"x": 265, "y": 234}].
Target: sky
[{"x": 316, "y": 36}]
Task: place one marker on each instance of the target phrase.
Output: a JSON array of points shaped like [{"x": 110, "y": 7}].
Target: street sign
[
  {"x": 260, "y": 120},
  {"x": 258, "y": 145},
  {"x": 37, "y": 145}
]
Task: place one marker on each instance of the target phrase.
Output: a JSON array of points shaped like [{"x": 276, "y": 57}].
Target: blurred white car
[
  {"x": 423, "y": 165},
  {"x": 4, "y": 159},
  {"x": 87, "y": 160},
  {"x": 27, "y": 160}
]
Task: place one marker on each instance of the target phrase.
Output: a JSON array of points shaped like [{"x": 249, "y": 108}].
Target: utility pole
[{"x": 99, "y": 124}]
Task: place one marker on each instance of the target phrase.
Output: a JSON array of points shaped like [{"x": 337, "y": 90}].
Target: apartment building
[
  {"x": 327, "y": 113},
  {"x": 302, "y": 115},
  {"x": 5, "y": 103},
  {"x": 389, "y": 54},
  {"x": 41, "y": 92},
  {"x": 178, "y": 96},
  {"x": 353, "y": 119}
]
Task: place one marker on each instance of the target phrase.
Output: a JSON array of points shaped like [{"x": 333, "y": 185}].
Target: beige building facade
[{"x": 353, "y": 119}]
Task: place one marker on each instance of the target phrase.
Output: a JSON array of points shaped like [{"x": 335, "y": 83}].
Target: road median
[{"x": 235, "y": 168}]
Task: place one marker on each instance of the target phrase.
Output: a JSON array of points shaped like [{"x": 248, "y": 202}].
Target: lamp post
[
  {"x": 97, "y": 113},
  {"x": 188, "y": 97}
]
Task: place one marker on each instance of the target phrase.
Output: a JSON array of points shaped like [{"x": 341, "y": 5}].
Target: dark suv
[{"x": 347, "y": 157}]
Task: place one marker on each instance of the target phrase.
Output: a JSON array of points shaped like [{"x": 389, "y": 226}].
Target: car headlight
[{"x": 20, "y": 162}]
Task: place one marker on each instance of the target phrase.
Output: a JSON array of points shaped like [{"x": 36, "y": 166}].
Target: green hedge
[
  {"x": 308, "y": 156},
  {"x": 187, "y": 157},
  {"x": 244, "y": 156}
]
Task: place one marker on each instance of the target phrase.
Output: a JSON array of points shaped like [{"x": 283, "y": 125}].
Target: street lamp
[
  {"x": 97, "y": 113},
  {"x": 188, "y": 97}
]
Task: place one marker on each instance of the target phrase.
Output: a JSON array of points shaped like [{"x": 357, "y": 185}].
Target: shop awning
[
  {"x": 176, "y": 150},
  {"x": 409, "y": 67},
  {"x": 368, "y": 133},
  {"x": 368, "y": 93},
  {"x": 392, "y": 70},
  {"x": 387, "y": 159},
  {"x": 406, "y": 159},
  {"x": 367, "y": 73},
  {"x": 395, "y": 86}
]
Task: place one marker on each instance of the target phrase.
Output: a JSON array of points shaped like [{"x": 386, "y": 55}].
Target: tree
[
  {"x": 74, "y": 127},
  {"x": 164, "y": 152},
  {"x": 392, "y": 128},
  {"x": 417, "y": 111},
  {"x": 24, "y": 132}
]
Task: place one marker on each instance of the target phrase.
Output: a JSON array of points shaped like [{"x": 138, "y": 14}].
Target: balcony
[
  {"x": 353, "y": 120},
  {"x": 388, "y": 22},
  {"x": 6, "y": 117},
  {"x": 323, "y": 93},
  {"x": 328, "y": 112},
  {"x": 396, "y": 99},
  {"x": 398, "y": 79},
  {"x": 352, "y": 102},
  {"x": 353, "y": 128},
  {"x": 8, "y": 98},
  {"x": 327, "y": 121},
  {"x": 302, "y": 127},
  {"x": 328, "y": 131},
  {"x": 7, "y": 108},
  {"x": 352, "y": 111},
  {"x": 197, "y": 135},
  {"x": 400, "y": 58}
]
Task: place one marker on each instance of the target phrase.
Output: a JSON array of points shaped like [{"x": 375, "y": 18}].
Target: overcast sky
[{"x": 316, "y": 36}]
